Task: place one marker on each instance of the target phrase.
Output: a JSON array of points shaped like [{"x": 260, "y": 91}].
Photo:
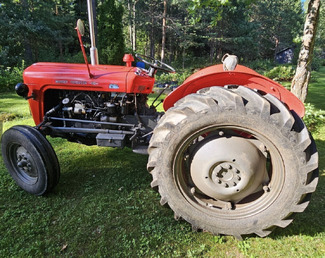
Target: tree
[
  {"x": 320, "y": 42},
  {"x": 299, "y": 85},
  {"x": 226, "y": 26},
  {"x": 110, "y": 32},
  {"x": 36, "y": 31},
  {"x": 130, "y": 22},
  {"x": 277, "y": 23},
  {"x": 163, "y": 41}
]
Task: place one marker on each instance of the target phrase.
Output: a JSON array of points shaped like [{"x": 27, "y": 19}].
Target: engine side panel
[{"x": 216, "y": 76}]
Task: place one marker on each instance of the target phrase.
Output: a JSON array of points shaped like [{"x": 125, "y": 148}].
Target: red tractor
[{"x": 231, "y": 154}]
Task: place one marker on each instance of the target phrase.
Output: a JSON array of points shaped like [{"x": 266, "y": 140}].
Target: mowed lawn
[{"x": 104, "y": 206}]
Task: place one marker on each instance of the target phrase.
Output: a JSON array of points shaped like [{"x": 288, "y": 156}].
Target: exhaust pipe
[{"x": 93, "y": 49}]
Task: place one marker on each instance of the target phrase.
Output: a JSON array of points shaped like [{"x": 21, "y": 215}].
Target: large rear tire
[
  {"x": 30, "y": 159},
  {"x": 233, "y": 161}
]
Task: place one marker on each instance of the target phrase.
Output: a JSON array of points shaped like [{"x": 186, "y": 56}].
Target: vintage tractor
[{"x": 231, "y": 155}]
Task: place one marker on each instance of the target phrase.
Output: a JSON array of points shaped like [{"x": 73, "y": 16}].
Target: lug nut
[
  {"x": 227, "y": 166},
  {"x": 266, "y": 188},
  {"x": 218, "y": 169}
]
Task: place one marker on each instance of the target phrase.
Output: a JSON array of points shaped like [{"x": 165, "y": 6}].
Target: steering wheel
[{"x": 156, "y": 64}]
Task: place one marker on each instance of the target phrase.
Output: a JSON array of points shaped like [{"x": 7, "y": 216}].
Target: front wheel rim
[{"x": 23, "y": 164}]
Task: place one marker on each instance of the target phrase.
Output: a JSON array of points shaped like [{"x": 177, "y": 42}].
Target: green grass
[{"x": 104, "y": 206}]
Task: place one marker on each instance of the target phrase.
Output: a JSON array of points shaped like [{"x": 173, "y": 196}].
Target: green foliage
[
  {"x": 314, "y": 118},
  {"x": 43, "y": 30},
  {"x": 278, "y": 24},
  {"x": 281, "y": 73},
  {"x": 9, "y": 77},
  {"x": 320, "y": 36},
  {"x": 260, "y": 66},
  {"x": 317, "y": 63},
  {"x": 110, "y": 28},
  {"x": 35, "y": 31},
  {"x": 178, "y": 77}
]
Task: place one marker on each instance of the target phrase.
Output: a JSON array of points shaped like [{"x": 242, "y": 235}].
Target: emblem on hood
[{"x": 113, "y": 86}]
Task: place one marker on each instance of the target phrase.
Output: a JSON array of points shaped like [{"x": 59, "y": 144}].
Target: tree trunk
[
  {"x": 95, "y": 18},
  {"x": 134, "y": 33},
  {"x": 163, "y": 41},
  {"x": 152, "y": 37},
  {"x": 27, "y": 44},
  {"x": 299, "y": 85},
  {"x": 130, "y": 23}
]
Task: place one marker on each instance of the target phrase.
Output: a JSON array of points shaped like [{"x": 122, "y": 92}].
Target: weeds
[{"x": 314, "y": 118}]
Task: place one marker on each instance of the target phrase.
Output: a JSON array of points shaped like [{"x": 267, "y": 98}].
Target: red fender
[{"x": 216, "y": 76}]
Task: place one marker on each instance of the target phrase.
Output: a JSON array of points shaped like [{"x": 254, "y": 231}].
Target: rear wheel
[
  {"x": 233, "y": 161},
  {"x": 30, "y": 159}
]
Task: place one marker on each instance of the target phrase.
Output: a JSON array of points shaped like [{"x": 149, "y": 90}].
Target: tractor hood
[{"x": 42, "y": 76}]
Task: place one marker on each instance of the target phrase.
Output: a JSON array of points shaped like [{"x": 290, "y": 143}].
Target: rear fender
[{"x": 216, "y": 76}]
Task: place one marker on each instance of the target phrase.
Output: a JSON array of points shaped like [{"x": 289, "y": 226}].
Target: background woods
[{"x": 188, "y": 34}]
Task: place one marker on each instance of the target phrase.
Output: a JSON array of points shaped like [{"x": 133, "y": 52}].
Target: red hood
[{"x": 42, "y": 74}]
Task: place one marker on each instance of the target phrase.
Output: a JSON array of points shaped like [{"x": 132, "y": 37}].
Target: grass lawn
[{"x": 104, "y": 206}]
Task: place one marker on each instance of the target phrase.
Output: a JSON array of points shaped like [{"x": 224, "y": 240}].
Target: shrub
[
  {"x": 9, "y": 77},
  {"x": 260, "y": 66},
  {"x": 316, "y": 64},
  {"x": 313, "y": 117},
  {"x": 281, "y": 73},
  {"x": 178, "y": 77}
]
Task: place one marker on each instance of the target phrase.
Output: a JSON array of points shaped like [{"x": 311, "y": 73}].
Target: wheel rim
[
  {"x": 229, "y": 186},
  {"x": 23, "y": 163}
]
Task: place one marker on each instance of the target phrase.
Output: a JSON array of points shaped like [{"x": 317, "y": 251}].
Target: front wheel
[
  {"x": 233, "y": 161},
  {"x": 30, "y": 159}
]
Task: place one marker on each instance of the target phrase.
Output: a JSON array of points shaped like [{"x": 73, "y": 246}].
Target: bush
[
  {"x": 281, "y": 73},
  {"x": 316, "y": 64},
  {"x": 260, "y": 66},
  {"x": 313, "y": 117},
  {"x": 9, "y": 77},
  {"x": 178, "y": 77}
]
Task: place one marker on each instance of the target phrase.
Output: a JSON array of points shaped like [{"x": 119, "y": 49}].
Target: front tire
[
  {"x": 30, "y": 159},
  {"x": 233, "y": 161}
]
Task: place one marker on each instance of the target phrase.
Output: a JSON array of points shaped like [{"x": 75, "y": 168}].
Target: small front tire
[{"x": 30, "y": 159}]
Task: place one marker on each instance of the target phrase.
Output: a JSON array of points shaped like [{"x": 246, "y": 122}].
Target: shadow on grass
[
  {"x": 311, "y": 222},
  {"x": 113, "y": 174},
  {"x": 316, "y": 93},
  {"x": 99, "y": 169}
]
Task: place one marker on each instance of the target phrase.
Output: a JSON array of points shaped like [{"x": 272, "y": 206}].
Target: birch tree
[
  {"x": 163, "y": 41},
  {"x": 299, "y": 85}
]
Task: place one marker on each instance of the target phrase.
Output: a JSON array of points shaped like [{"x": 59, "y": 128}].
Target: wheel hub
[
  {"x": 24, "y": 162},
  {"x": 226, "y": 174},
  {"x": 228, "y": 169}
]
